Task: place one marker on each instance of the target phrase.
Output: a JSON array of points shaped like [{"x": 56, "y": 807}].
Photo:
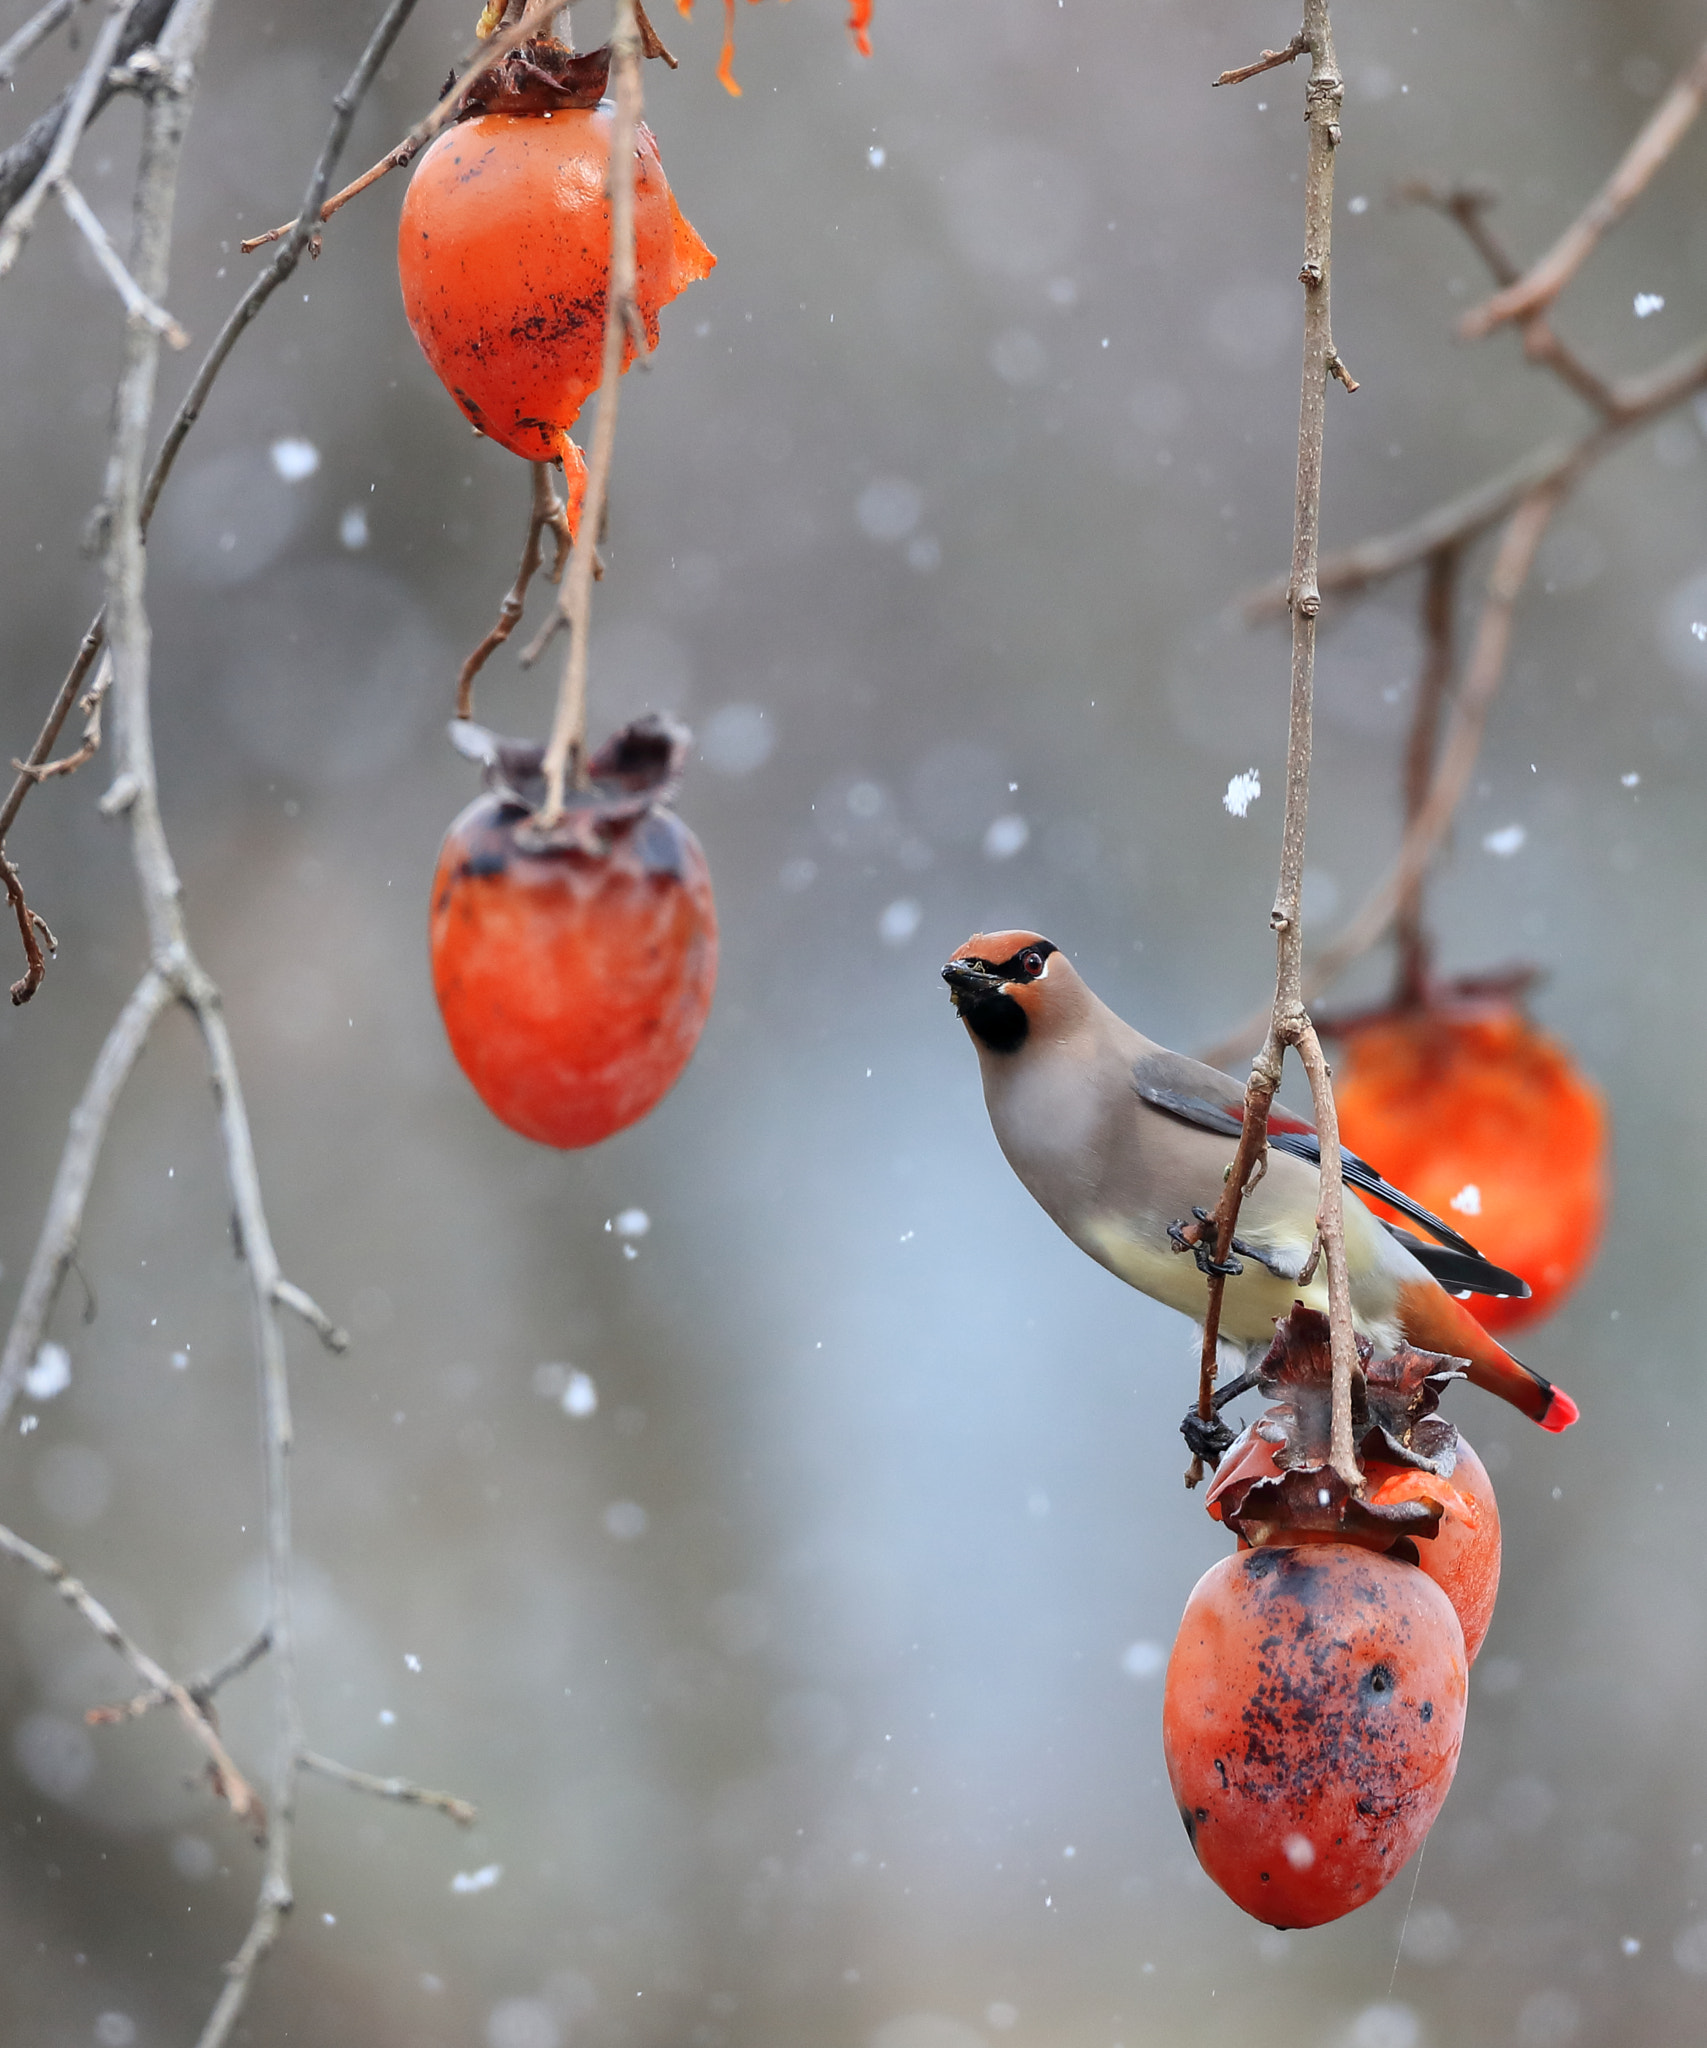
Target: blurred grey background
[{"x": 810, "y": 1683}]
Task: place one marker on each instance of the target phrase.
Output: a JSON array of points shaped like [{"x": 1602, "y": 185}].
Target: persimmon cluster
[{"x": 573, "y": 961}]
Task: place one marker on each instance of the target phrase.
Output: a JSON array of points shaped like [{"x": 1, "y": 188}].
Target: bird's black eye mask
[{"x": 977, "y": 987}]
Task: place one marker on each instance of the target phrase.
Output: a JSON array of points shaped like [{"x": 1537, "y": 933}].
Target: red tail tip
[{"x": 1562, "y": 1411}]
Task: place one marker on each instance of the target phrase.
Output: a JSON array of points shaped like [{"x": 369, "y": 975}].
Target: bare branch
[
  {"x": 547, "y": 512},
  {"x": 565, "y": 753},
  {"x": 1270, "y": 60},
  {"x": 37, "y": 29},
  {"x": 400, "y": 1789},
  {"x": 137, "y": 302},
  {"x": 16, "y": 226},
  {"x": 22, "y": 163},
  {"x": 1533, "y": 293},
  {"x": 228, "y": 1780},
  {"x": 1289, "y": 1022}
]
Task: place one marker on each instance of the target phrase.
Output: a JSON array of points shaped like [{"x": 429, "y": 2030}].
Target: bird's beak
[{"x": 966, "y": 982}]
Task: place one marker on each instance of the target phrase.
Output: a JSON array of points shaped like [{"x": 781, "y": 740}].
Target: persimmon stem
[{"x": 566, "y": 752}]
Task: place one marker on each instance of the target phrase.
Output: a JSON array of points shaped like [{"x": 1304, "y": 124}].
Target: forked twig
[
  {"x": 228, "y": 1780},
  {"x": 547, "y": 513}
]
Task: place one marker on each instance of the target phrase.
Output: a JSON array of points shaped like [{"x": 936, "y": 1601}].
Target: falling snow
[
  {"x": 481, "y": 1880},
  {"x": 1504, "y": 842},
  {"x": 294, "y": 459},
  {"x": 50, "y": 1374},
  {"x": 1242, "y": 791}
]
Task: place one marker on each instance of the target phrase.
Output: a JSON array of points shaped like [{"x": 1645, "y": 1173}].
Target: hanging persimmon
[
  {"x": 1486, "y": 1120},
  {"x": 1311, "y": 1719},
  {"x": 574, "y": 964},
  {"x": 504, "y": 251}
]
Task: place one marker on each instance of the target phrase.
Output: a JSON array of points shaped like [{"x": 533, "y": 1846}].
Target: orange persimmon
[
  {"x": 503, "y": 250},
  {"x": 1484, "y": 1119}
]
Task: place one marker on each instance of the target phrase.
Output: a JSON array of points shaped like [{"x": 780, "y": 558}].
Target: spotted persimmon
[
  {"x": 1311, "y": 1719},
  {"x": 1486, "y": 1120},
  {"x": 574, "y": 965},
  {"x": 503, "y": 251}
]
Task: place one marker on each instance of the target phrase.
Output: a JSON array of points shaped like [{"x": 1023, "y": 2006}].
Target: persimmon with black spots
[
  {"x": 1486, "y": 1120},
  {"x": 1312, "y": 1719},
  {"x": 574, "y": 964}
]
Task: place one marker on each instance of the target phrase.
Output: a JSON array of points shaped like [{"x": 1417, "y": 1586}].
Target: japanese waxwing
[{"x": 1119, "y": 1139}]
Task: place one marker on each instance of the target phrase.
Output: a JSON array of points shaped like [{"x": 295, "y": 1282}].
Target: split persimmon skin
[
  {"x": 1441, "y": 1101},
  {"x": 573, "y": 987},
  {"x": 503, "y": 251},
  {"x": 1312, "y": 1719}
]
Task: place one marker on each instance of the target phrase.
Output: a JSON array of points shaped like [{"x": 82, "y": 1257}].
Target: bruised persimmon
[
  {"x": 1312, "y": 1718},
  {"x": 574, "y": 965},
  {"x": 504, "y": 249},
  {"x": 1482, "y": 1117}
]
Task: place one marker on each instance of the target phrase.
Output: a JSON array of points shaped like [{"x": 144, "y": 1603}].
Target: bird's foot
[
  {"x": 1206, "y": 1440},
  {"x": 1196, "y": 1238}
]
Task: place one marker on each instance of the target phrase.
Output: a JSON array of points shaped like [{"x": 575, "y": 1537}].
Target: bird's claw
[
  {"x": 1206, "y": 1440},
  {"x": 1184, "y": 1239}
]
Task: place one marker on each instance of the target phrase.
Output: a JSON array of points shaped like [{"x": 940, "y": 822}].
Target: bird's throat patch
[{"x": 996, "y": 1021}]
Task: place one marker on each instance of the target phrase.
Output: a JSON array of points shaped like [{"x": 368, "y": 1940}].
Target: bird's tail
[{"x": 1434, "y": 1321}]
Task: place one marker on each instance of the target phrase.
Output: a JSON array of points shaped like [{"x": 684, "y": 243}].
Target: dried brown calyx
[
  {"x": 1276, "y": 1481},
  {"x": 630, "y": 780},
  {"x": 542, "y": 76}
]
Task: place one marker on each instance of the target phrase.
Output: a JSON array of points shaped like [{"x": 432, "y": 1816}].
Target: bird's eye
[{"x": 1031, "y": 964}]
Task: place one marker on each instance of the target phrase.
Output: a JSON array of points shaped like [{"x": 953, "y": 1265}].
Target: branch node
[{"x": 1337, "y": 368}]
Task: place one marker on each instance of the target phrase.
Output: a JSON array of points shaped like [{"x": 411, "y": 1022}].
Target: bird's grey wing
[{"x": 1196, "y": 1094}]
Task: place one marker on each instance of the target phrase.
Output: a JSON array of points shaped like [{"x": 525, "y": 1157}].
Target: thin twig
[
  {"x": 37, "y": 29},
  {"x": 137, "y": 302},
  {"x": 546, "y": 513},
  {"x": 1469, "y": 205},
  {"x": 1439, "y": 602},
  {"x": 565, "y": 753},
  {"x": 288, "y": 1295},
  {"x": 1289, "y": 1023},
  {"x": 482, "y": 57},
  {"x": 400, "y": 1789},
  {"x": 16, "y": 226},
  {"x": 90, "y": 704},
  {"x": 1534, "y": 292},
  {"x": 1270, "y": 60},
  {"x": 32, "y": 929},
  {"x": 228, "y": 1780},
  {"x": 203, "y": 1689}
]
